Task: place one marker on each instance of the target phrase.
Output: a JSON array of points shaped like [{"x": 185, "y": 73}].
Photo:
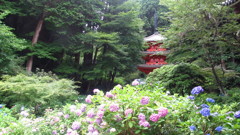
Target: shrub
[
  {"x": 37, "y": 92},
  {"x": 178, "y": 78},
  {"x": 139, "y": 110}
]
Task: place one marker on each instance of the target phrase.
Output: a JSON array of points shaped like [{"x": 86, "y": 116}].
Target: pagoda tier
[{"x": 154, "y": 55}]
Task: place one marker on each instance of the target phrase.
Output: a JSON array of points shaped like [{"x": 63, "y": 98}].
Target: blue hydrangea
[
  {"x": 208, "y": 134},
  {"x": 204, "y": 106},
  {"x": 191, "y": 97},
  {"x": 237, "y": 114},
  {"x": 1, "y": 106},
  {"x": 197, "y": 90},
  {"x": 219, "y": 128},
  {"x": 205, "y": 112},
  {"x": 210, "y": 100},
  {"x": 192, "y": 128}
]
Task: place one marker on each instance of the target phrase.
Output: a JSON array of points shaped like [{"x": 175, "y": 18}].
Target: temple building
[{"x": 154, "y": 55}]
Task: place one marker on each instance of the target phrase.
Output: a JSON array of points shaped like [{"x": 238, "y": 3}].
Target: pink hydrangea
[
  {"x": 100, "y": 114},
  {"x": 60, "y": 114},
  {"x": 135, "y": 82},
  {"x": 128, "y": 111},
  {"x": 162, "y": 111},
  {"x": 24, "y": 113},
  {"x": 145, "y": 100},
  {"x": 96, "y": 91},
  {"x": 90, "y": 114},
  {"x": 88, "y": 99},
  {"x": 91, "y": 128},
  {"x": 98, "y": 121},
  {"x": 119, "y": 86},
  {"x": 56, "y": 119},
  {"x": 141, "y": 116},
  {"x": 76, "y": 125},
  {"x": 109, "y": 94},
  {"x": 72, "y": 108},
  {"x": 112, "y": 130},
  {"x": 101, "y": 107},
  {"x": 154, "y": 117},
  {"x": 83, "y": 108},
  {"x": 66, "y": 116},
  {"x": 118, "y": 117},
  {"x": 144, "y": 123},
  {"x": 78, "y": 112},
  {"x": 114, "y": 107}
]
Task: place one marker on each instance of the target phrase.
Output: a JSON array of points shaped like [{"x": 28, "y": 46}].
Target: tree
[{"x": 203, "y": 28}]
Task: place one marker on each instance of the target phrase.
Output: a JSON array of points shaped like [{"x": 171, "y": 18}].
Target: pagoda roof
[
  {"x": 230, "y": 2},
  {"x": 155, "y": 37},
  {"x": 156, "y": 52}
]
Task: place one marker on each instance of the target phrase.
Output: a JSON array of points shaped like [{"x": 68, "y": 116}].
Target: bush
[
  {"x": 178, "y": 78},
  {"x": 37, "y": 92},
  {"x": 140, "y": 110}
]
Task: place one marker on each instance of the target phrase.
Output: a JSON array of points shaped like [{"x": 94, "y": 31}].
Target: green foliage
[
  {"x": 10, "y": 44},
  {"x": 178, "y": 78},
  {"x": 36, "y": 92}
]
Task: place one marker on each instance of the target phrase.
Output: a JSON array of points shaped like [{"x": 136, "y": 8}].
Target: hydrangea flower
[
  {"x": 205, "y": 112},
  {"x": 204, "y": 106},
  {"x": 96, "y": 91},
  {"x": 66, "y": 116},
  {"x": 237, "y": 114},
  {"x": 100, "y": 114},
  {"x": 101, "y": 107},
  {"x": 1, "y": 106},
  {"x": 197, "y": 90},
  {"x": 141, "y": 116},
  {"x": 60, "y": 114},
  {"x": 112, "y": 130},
  {"x": 54, "y": 132},
  {"x": 98, "y": 121},
  {"x": 72, "y": 108},
  {"x": 91, "y": 128},
  {"x": 88, "y": 99},
  {"x": 114, "y": 107},
  {"x": 83, "y": 108},
  {"x": 219, "y": 128},
  {"x": 191, "y": 97},
  {"x": 135, "y": 82},
  {"x": 162, "y": 111},
  {"x": 154, "y": 117},
  {"x": 128, "y": 111},
  {"x": 24, "y": 113},
  {"x": 118, "y": 117},
  {"x": 144, "y": 123},
  {"x": 78, "y": 112},
  {"x": 90, "y": 114},
  {"x": 119, "y": 86},
  {"x": 109, "y": 95},
  {"x": 210, "y": 100},
  {"x": 76, "y": 125},
  {"x": 144, "y": 100},
  {"x": 192, "y": 128}
]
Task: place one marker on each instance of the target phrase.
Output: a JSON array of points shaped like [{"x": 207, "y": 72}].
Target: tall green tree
[{"x": 202, "y": 29}]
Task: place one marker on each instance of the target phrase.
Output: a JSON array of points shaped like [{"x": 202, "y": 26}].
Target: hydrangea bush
[{"x": 133, "y": 110}]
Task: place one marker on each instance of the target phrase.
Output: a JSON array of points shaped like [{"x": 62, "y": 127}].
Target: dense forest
[{"x": 94, "y": 42}]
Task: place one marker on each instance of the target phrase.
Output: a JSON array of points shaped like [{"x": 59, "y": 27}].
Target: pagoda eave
[
  {"x": 156, "y": 52},
  {"x": 148, "y": 68}
]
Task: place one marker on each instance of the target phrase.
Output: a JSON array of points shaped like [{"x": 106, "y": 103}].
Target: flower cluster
[
  {"x": 210, "y": 100},
  {"x": 237, "y": 114},
  {"x": 114, "y": 107},
  {"x": 96, "y": 91},
  {"x": 88, "y": 99},
  {"x": 205, "y": 112},
  {"x": 145, "y": 100},
  {"x": 191, "y": 97},
  {"x": 128, "y": 111},
  {"x": 192, "y": 128},
  {"x": 197, "y": 90},
  {"x": 135, "y": 82}
]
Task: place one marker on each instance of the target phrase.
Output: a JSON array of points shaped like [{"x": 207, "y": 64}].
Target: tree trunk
[
  {"x": 95, "y": 56},
  {"x": 87, "y": 59},
  {"x": 77, "y": 58},
  {"x": 34, "y": 41},
  {"x": 219, "y": 82}
]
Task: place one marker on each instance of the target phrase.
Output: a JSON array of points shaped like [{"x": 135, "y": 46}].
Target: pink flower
[
  {"x": 141, "y": 116},
  {"x": 56, "y": 119},
  {"x": 83, "y": 108},
  {"x": 24, "y": 113},
  {"x": 109, "y": 94},
  {"x": 75, "y": 125},
  {"x": 144, "y": 123},
  {"x": 128, "y": 111},
  {"x": 114, "y": 107},
  {"x": 118, "y": 117},
  {"x": 91, "y": 128},
  {"x": 135, "y": 82},
  {"x": 89, "y": 99},
  {"x": 144, "y": 100},
  {"x": 54, "y": 132},
  {"x": 98, "y": 121},
  {"x": 100, "y": 114},
  {"x": 96, "y": 91},
  {"x": 78, "y": 112},
  {"x": 90, "y": 114},
  {"x": 60, "y": 114},
  {"x": 119, "y": 86},
  {"x": 66, "y": 116},
  {"x": 162, "y": 111},
  {"x": 101, "y": 107},
  {"x": 154, "y": 117}
]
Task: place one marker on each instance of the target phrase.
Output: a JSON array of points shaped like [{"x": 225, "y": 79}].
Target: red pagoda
[{"x": 155, "y": 55}]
